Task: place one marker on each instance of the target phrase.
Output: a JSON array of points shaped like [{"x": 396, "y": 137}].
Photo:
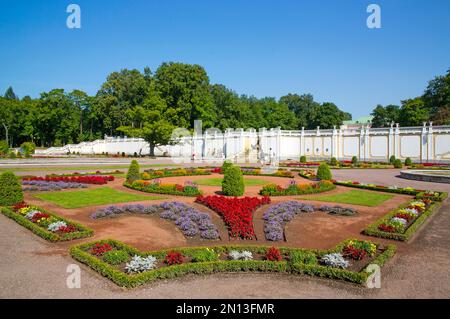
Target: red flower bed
[
  {"x": 354, "y": 253},
  {"x": 174, "y": 258},
  {"x": 94, "y": 179},
  {"x": 216, "y": 170},
  {"x": 38, "y": 216},
  {"x": 67, "y": 229},
  {"x": 405, "y": 216},
  {"x": 100, "y": 249},
  {"x": 18, "y": 206},
  {"x": 273, "y": 254},
  {"x": 386, "y": 228},
  {"x": 302, "y": 164},
  {"x": 236, "y": 212}
]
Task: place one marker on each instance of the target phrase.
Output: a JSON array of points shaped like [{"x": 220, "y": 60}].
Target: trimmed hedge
[
  {"x": 372, "y": 229},
  {"x": 81, "y": 253},
  {"x": 233, "y": 182},
  {"x": 10, "y": 189},
  {"x": 133, "y": 172},
  {"x": 44, "y": 233},
  {"x": 323, "y": 172},
  {"x": 152, "y": 174},
  {"x": 302, "y": 189},
  {"x": 169, "y": 189}
]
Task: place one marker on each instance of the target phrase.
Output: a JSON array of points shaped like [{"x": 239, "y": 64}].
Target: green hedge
[
  {"x": 81, "y": 253},
  {"x": 303, "y": 189},
  {"x": 233, "y": 182},
  {"x": 372, "y": 229},
  {"x": 10, "y": 189},
  {"x": 167, "y": 189},
  {"x": 44, "y": 233}
]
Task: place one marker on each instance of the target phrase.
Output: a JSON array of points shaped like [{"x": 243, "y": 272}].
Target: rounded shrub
[
  {"x": 303, "y": 159},
  {"x": 392, "y": 159},
  {"x": 28, "y": 148},
  {"x": 10, "y": 189},
  {"x": 116, "y": 257},
  {"x": 4, "y": 148},
  {"x": 408, "y": 161},
  {"x": 333, "y": 161},
  {"x": 323, "y": 172},
  {"x": 233, "y": 182},
  {"x": 398, "y": 163},
  {"x": 354, "y": 160},
  {"x": 226, "y": 165},
  {"x": 12, "y": 155},
  {"x": 133, "y": 172}
]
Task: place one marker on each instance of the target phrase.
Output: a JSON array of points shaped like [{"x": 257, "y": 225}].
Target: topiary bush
[
  {"x": 323, "y": 172},
  {"x": 233, "y": 182},
  {"x": 10, "y": 189},
  {"x": 226, "y": 165},
  {"x": 398, "y": 163},
  {"x": 354, "y": 160},
  {"x": 303, "y": 159},
  {"x": 133, "y": 172},
  {"x": 333, "y": 161},
  {"x": 392, "y": 159},
  {"x": 408, "y": 161}
]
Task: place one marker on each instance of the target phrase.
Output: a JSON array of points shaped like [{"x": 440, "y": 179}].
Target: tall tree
[
  {"x": 384, "y": 116},
  {"x": 9, "y": 94},
  {"x": 326, "y": 116},
  {"x": 437, "y": 98},
  {"x": 301, "y": 105},
  {"x": 413, "y": 112}
]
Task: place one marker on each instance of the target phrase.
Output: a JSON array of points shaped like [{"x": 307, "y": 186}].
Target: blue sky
[{"x": 255, "y": 47}]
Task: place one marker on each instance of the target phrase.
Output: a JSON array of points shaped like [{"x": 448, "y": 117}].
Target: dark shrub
[
  {"x": 303, "y": 159},
  {"x": 398, "y": 163},
  {"x": 233, "y": 182},
  {"x": 392, "y": 159},
  {"x": 133, "y": 172},
  {"x": 408, "y": 161},
  {"x": 354, "y": 160},
  {"x": 323, "y": 172},
  {"x": 10, "y": 189},
  {"x": 4, "y": 148}
]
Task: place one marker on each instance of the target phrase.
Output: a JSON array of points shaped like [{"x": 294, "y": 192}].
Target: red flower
[
  {"x": 174, "y": 258},
  {"x": 98, "y": 180},
  {"x": 354, "y": 253},
  {"x": 387, "y": 228},
  {"x": 216, "y": 170},
  {"x": 38, "y": 216},
  {"x": 67, "y": 229},
  {"x": 273, "y": 254},
  {"x": 20, "y": 206},
  {"x": 237, "y": 213},
  {"x": 179, "y": 188},
  {"x": 100, "y": 249}
]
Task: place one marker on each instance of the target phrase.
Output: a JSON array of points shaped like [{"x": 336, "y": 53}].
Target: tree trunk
[{"x": 152, "y": 149}]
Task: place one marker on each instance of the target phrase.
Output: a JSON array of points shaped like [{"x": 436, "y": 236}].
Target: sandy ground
[{"x": 421, "y": 269}]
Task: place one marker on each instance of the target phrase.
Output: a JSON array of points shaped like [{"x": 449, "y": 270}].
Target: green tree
[
  {"x": 186, "y": 91},
  {"x": 9, "y": 94},
  {"x": 326, "y": 116},
  {"x": 384, "y": 116},
  {"x": 413, "y": 112},
  {"x": 4, "y": 148},
  {"x": 436, "y": 99},
  {"x": 301, "y": 105}
]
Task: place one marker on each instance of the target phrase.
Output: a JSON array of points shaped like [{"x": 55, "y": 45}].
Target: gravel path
[{"x": 30, "y": 267}]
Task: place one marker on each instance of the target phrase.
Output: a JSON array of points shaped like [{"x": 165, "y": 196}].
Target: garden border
[
  {"x": 80, "y": 254},
  {"x": 45, "y": 234}
]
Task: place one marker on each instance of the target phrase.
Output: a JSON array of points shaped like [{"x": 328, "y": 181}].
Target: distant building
[{"x": 362, "y": 121}]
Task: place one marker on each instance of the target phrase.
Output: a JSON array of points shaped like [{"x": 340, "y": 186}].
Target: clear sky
[{"x": 255, "y": 47}]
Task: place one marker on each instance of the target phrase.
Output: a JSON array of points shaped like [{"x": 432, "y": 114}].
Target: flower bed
[
  {"x": 403, "y": 222},
  {"x": 135, "y": 268},
  {"x": 433, "y": 195},
  {"x": 237, "y": 213},
  {"x": 308, "y": 174},
  {"x": 115, "y": 172},
  {"x": 42, "y": 186},
  {"x": 277, "y": 216},
  {"x": 296, "y": 189},
  {"x": 85, "y": 179},
  {"x": 189, "y": 220},
  {"x": 155, "y": 186},
  {"x": 45, "y": 224},
  {"x": 256, "y": 171},
  {"x": 159, "y": 173}
]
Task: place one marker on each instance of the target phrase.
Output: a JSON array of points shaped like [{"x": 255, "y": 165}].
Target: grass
[
  {"x": 92, "y": 197},
  {"x": 217, "y": 181},
  {"x": 76, "y": 168},
  {"x": 355, "y": 197}
]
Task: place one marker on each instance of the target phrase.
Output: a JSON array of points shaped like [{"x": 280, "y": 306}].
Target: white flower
[
  {"x": 31, "y": 214},
  {"x": 335, "y": 260},
  {"x": 139, "y": 264},
  {"x": 400, "y": 220},
  {"x": 242, "y": 255},
  {"x": 56, "y": 225}
]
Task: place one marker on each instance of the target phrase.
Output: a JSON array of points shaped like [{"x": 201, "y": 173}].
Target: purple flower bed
[
  {"x": 189, "y": 220},
  {"x": 40, "y": 186},
  {"x": 278, "y": 215}
]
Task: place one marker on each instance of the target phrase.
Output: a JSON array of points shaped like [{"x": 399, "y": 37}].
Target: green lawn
[
  {"x": 355, "y": 197},
  {"x": 92, "y": 197},
  {"x": 217, "y": 181}
]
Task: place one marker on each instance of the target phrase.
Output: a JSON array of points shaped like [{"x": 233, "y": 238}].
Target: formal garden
[{"x": 145, "y": 224}]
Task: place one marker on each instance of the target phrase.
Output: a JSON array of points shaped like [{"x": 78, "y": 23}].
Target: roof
[{"x": 362, "y": 120}]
